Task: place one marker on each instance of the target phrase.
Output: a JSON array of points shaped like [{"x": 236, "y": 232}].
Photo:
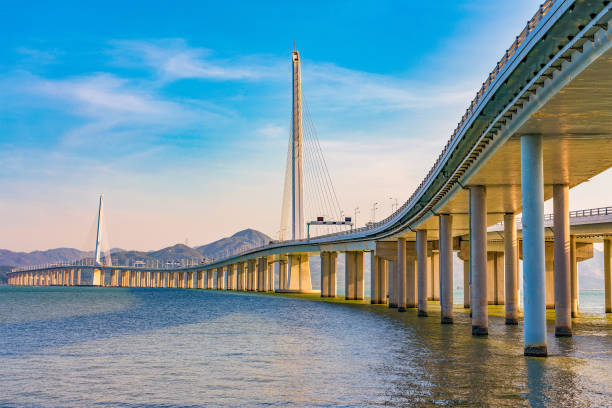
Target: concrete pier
[
  {"x": 270, "y": 279},
  {"x": 298, "y": 279},
  {"x": 240, "y": 275},
  {"x": 608, "y": 274},
  {"x": 328, "y": 274},
  {"x": 434, "y": 276},
  {"x": 393, "y": 283},
  {"x": 466, "y": 284},
  {"x": 401, "y": 274},
  {"x": 495, "y": 278},
  {"x": 378, "y": 280},
  {"x": 562, "y": 274},
  {"x": 411, "y": 281},
  {"x": 354, "y": 278},
  {"x": 209, "y": 279},
  {"x": 221, "y": 278},
  {"x": 282, "y": 274},
  {"x": 574, "y": 275},
  {"x": 532, "y": 188},
  {"x": 251, "y": 272},
  {"x": 511, "y": 269},
  {"x": 445, "y": 226},
  {"x": 549, "y": 272},
  {"x": 262, "y": 274},
  {"x": 478, "y": 260},
  {"x": 422, "y": 272}
]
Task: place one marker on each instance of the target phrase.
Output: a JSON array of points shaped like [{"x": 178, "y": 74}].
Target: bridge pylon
[{"x": 97, "y": 275}]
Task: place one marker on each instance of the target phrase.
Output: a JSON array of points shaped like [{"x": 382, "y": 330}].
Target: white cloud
[
  {"x": 115, "y": 108},
  {"x": 341, "y": 88},
  {"x": 173, "y": 59}
]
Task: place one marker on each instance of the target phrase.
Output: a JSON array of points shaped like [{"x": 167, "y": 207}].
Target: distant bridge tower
[
  {"x": 98, "y": 276},
  {"x": 97, "y": 261},
  {"x": 297, "y": 164}
]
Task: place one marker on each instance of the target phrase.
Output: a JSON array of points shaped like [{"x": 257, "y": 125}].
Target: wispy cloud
[
  {"x": 173, "y": 59},
  {"x": 113, "y": 108},
  {"x": 326, "y": 84},
  {"x": 341, "y": 88}
]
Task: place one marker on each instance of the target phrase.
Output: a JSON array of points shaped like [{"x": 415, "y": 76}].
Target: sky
[{"x": 179, "y": 112}]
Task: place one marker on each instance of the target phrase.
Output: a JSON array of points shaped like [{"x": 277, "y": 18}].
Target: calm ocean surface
[{"x": 120, "y": 347}]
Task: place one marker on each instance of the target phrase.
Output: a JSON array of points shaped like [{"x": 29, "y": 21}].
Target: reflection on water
[{"x": 154, "y": 347}]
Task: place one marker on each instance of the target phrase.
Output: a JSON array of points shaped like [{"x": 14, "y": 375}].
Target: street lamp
[
  {"x": 394, "y": 204},
  {"x": 374, "y": 211},
  {"x": 355, "y": 219}
]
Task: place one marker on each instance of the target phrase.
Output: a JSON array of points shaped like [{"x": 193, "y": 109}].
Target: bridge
[{"x": 539, "y": 125}]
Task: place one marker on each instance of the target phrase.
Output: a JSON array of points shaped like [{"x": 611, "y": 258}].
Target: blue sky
[{"x": 179, "y": 111}]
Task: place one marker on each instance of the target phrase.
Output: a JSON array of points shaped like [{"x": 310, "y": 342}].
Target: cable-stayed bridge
[{"x": 540, "y": 124}]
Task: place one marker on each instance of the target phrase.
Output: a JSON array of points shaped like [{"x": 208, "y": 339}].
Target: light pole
[
  {"x": 355, "y": 219},
  {"x": 394, "y": 205},
  {"x": 374, "y": 211}
]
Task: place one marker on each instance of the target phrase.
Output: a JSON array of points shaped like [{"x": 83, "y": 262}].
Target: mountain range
[{"x": 224, "y": 247}]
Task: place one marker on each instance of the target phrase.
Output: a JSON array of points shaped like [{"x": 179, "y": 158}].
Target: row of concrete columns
[{"x": 53, "y": 277}]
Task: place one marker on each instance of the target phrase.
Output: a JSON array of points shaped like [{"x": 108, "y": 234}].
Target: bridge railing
[{"x": 590, "y": 212}]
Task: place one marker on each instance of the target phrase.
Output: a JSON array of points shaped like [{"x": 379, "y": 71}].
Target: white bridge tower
[{"x": 297, "y": 161}]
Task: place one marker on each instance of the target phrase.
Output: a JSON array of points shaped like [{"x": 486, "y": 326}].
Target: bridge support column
[
  {"x": 550, "y": 274},
  {"x": 511, "y": 269},
  {"x": 271, "y": 277},
  {"x": 392, "y": 283},
  {"x": 478, "y": 260},
  {"x": 445, "y": 228},
  {"x": 200, "y": 279},
  {"x": 466, "y": 284},
  {"x": 574, "y": 275},
  {"x": 411, "y": 282},
  {"x": 563, "y": 295},
  {"x": 328, "y": 274},
  {"x": 282, "y": 275},
  {"x": 262, "y": 274},
  {"x": 299, "y": 274},
  {"x": 78, "y": 277},
  {"x": 532, "y": 188},
  {"x": 250, "y": 272},
  {"x": 209, "y": 279},
  {"x": 378, "y": 280},
  {"x": 608, "y": 275},
  {"x": 221, "y": 276},
  {"x": 422, "y": 272},
  {"x": 97, "y": 280},
  {"x": 354, "y": 278},
  {"x": 495, "y": 278},
  {"x": 240, "y": 276},
  {"x": 232, "y": 274},
  {"x": 434, "y": 277},
  {"x": 401, "y": 274}
]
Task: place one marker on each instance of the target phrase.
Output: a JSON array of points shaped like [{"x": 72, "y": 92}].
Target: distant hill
[
  {"x": 3, "y": 271},
  {"x": 41, "y": 257},
  {"x": 240, "y": 241}
]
